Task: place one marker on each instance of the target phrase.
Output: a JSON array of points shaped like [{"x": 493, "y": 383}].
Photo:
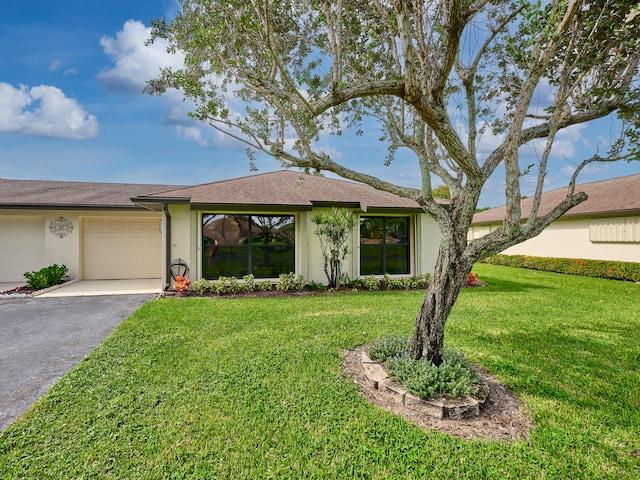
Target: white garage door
[
  {"x": 121, "y": 248},
  {"x": 21, "y": 247}
]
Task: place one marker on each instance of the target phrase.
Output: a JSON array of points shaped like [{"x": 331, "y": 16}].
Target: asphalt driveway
[{"x": 41, "y": 339}]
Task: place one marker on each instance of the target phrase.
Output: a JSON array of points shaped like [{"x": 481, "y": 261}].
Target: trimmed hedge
[{"x": 629, "y": 271}]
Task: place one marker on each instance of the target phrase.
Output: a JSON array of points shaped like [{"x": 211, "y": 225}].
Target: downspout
[{"x": 167, "y": 238}]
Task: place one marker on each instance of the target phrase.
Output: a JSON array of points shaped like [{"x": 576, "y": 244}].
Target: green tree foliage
[
  {"x": 441, "y": 191},
  {"x": 434, "y": 76}
]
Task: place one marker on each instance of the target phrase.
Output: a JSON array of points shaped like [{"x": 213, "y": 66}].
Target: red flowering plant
[{"x": 472, "y": 281}]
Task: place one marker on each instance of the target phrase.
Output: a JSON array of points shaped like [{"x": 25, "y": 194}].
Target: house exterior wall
[
  {"x": 65, "y": 250},
  {"x": 186, "y": 242},
  {"x": 426, "y": 244},
  {"x": 182, "y": 226},
  {"x": 569, "y": 238}
]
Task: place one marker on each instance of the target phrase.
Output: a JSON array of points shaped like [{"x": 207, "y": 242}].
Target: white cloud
[
  {"x": 135, "y": 63},
  {"x": 191, "y": 133},
  {"x": 591, "y": 169},
  {"x": 55, "y": 65},
  {"x": 44, "y": 111}
]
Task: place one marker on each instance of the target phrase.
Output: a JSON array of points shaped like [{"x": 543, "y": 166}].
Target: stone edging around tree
[{"x": 442, "y": 407}]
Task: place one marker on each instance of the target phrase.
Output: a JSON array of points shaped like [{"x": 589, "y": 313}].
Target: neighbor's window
[
  {"x": 615, "y": 230},
  {"x": 384, "y": 245},
  {"x": 238, "y": 245}
]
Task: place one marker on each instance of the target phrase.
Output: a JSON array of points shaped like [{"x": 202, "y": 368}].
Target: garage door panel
[{"x": 122, "y": 248}]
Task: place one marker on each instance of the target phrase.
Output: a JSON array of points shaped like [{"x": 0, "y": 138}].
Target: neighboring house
[
  {"x": 604, "y": 227},
  {"x": 259, "y": 224}
]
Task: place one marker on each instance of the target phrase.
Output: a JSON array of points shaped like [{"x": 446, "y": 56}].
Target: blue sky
[{"x": 71, "y": 108}]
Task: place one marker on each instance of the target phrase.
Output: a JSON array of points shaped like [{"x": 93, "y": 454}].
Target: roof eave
[
  {"x": 250, "y": 208},
  {"x": 53, "y": 206}
]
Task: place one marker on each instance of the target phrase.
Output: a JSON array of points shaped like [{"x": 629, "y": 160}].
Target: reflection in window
[
  {"x": 384, "y": 245},
  {"x": 238, "y": 245}
]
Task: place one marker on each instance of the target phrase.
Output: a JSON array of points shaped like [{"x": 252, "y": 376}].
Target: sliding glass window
[
  {"x": 384, "y": 245},
  {"x": 238, "y": 245}
]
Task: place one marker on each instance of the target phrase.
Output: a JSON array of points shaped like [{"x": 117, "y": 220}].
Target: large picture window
[
  {"x": 384, "y": 245},
  {"x": 238, "y": 245}
]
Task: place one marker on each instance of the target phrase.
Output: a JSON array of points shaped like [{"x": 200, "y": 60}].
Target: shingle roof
[
  {"x": 56, "y": 194},
  {"x": 282, "y": 188},
  {"x": 617, "y": 196}
]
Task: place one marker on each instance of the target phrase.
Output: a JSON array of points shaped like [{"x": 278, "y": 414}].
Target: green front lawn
[{"x": 251, "y": 388}]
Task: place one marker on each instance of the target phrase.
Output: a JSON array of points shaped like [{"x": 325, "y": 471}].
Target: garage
[
  {"x": 21, "y": 246},
  {"x": 121, "y": 248}
]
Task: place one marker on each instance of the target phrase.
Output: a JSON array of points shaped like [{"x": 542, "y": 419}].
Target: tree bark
[{"x": 449, "y": 276}]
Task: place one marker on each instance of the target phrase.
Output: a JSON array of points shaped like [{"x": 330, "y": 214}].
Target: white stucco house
[
  {"x": 260, "y": 224},
  {"x": 604, "y": 227}
]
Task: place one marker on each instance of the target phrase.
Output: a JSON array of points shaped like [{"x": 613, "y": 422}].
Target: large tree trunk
[{"x": 449, "y": 276}]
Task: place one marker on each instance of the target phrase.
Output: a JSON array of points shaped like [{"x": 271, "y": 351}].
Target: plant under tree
[
  {"x": 517, "y": 69},
  {"x": 334, "y": 231}
]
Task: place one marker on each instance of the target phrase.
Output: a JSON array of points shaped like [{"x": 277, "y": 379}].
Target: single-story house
[
  {"x": 604, "y": 227},
  {"x": 260, "y": 225}
]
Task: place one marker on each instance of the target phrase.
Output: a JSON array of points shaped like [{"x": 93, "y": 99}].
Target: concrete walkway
[{"x": 85, "y": 288}]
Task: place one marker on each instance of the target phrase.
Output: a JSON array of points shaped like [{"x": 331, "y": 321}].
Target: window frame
[
  {"x": 250, "y": 246},
  {"x": 408, "y": 244}
]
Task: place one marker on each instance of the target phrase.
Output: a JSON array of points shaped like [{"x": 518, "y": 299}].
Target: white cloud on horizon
[
  {"x": 44, "y": 111},
  {"x": 134, "y": 62}
]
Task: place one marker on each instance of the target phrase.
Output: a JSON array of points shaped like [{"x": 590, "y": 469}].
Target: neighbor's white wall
[{"x": 570, "y": 239}]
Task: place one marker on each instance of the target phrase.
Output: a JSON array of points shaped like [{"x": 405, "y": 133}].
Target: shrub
[
  {"x": 46, "y": 277},
  {"x": 629, "y": 271},
  {"x": 420, "y": 281},
  {"x": 316, "y": 286},
  {"x": 265, "y": 285},
  {"x": 371, "y": 282},
  {"x": 388, "y": 347},
  {"x": 219, "y": 286},
  {"x": 333, "y": 230},
  {"x": 248, "y": 283},
  {"x": 455, "y": 377},
  {"x": 290, "y": 281},
  {"x": 201, "y": 286}
]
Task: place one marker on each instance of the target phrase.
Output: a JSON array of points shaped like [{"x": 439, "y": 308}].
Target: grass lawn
[{"x": 251, "y": 388}]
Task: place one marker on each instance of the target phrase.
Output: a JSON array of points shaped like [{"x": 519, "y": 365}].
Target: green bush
[
  {"x": 371, "y": 282},
  {"x": 290, "y": 281},
  {"x": 629, "y": 271},
  {"x": 384, "y": 349},
  {"x": 454, "y": 377},
  {"x": 248, "y": 283},
  {"x": 201, "y": 286},
  {"x": 46, "y": 277},
  {"x": 293, "y": 282},
  {"x": 316, "y": 286}
]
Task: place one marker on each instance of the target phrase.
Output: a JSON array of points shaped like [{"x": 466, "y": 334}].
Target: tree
[
  {"x": 333, "y": 230},
  {"x": 441, "y": 191},
  {"x": 516, "y": 69}
]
